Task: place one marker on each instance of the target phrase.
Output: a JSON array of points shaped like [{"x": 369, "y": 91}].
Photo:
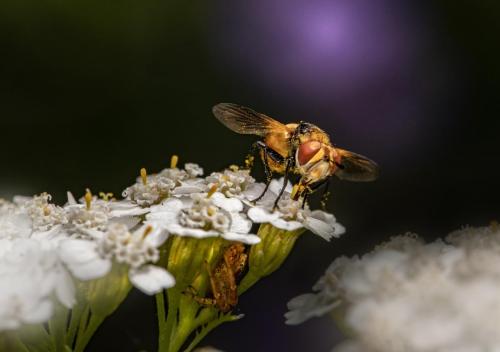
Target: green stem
[
  {"x": 84, "y": 319},
  {"x": 94, "y": 323},
  {"x": 9, "y": 342},
  {"x": 173, "y": 296},
  {"x": 76, "y": 314},
  {"x": 207, "y": 328},
  {"x": 57, "y": 328},
  {"x": 160, "y": 310},
  {"x": 35, "y": 338}
]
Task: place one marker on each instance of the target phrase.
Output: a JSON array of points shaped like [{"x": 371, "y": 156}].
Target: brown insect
[
  {"x": 298, "y": 148},
  {"x": 223, "y": 279}
]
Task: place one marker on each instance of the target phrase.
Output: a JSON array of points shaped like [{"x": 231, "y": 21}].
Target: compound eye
[{"x": 306, "y": 151}]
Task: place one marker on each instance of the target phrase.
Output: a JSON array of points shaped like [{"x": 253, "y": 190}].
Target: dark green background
[{"x": 91, "y": 91}]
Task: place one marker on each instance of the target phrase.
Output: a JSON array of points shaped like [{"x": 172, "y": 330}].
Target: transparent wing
[
  {"x": 356, "y": 167},
  {"x": 244, "y": 120}
]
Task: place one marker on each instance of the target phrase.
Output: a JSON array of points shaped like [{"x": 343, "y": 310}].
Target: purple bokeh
[{"x": 362, "y": 69}]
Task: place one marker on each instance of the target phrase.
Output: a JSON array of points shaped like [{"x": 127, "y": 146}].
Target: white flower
[
  {"x": 30, "y": 276},
  {"x": 93, "y": 259},
  {"x": 92, "y": 216},
  {"x": 87, "y": 220},
  {"x": 15, "y": 225},
  {"x": 201, "y": 216},
  {"x": 410, "y": 296},
  {"x": 7, "y": 207},
  {"x": 232, "y": 183},
  {"x": 152, "y": 189},
  {"x": 290, "y": 215},
  {"x": 150, "y": 192},
  {"x": 193, "y": 170},
  {"x": 44, "y": 214}
]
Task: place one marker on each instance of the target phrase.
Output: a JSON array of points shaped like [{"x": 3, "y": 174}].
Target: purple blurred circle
[{"x": 361, "y": 66}]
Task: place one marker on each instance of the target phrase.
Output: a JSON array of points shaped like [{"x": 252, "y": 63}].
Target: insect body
[
  {"x": 223, "y": 279},
  {"x": 299, "y": 148}
]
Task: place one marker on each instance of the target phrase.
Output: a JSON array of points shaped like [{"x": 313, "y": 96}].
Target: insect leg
[
  {"x": 324, "y": 196},
  {"x": 204, "y": 301},
  {"x": 285, "y": 181},
  {"x": 306, "y": 195},
  {"x": 267, "y": 170}
]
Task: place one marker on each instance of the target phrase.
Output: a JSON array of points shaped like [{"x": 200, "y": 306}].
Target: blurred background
[{"x": 91, "y": 91}]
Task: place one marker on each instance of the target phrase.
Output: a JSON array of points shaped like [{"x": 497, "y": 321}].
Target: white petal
[
  {"x": 286, "y": 225},
  {"x": 93, "y": 233},
  {"x": 322, "y": 215},
  {"x": 157, "y": 237},
  {"x": 240, "y": 223},
  {"x": 127, "y": 211},
  {"x": 307, "y": 306},
  {"x": 41, "y": 313},
  {"x": 254, "y": 190},
  {"x": 177, "y": 229},
  {"x": 71, "y": 198},
  {"x": 20, "y": 200},
  {"x": 65, "y": 290},
  {"x": 91, "y": 270},
  {"x": 77, "y": 251},
  {"x": 129, "y": 221},
  {"x": 167, "y": 211},
  {"x": 151, "y": 279},
  {"x": 228, "y": 204},
  {"x": 53, "y": 234},
  {"x": 326, "y": 228},
  {"x": 260, "y": 215},
  {"x": 276, "y": 185},
  {"x": 241, "y": 237}
]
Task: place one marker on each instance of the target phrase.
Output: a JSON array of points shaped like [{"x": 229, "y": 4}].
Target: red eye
[{"x": 307, "y": 150}]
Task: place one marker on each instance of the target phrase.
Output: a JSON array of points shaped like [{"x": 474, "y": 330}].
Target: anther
[
  {"x": 234, "y": 168},
  {"x": 173, "y": 161},
  {"x": 144, "y": 176},
  {"x": 249, "y": 160},
  {"x": 212, "y": 190},
  {"x": 106, "y": 196},
  {"x": 88, "y": 198},
  {"x": 147, "y": 231},
  {"x": 211, "y": 211}
]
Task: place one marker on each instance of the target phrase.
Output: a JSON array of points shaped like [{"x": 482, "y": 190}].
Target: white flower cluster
[
  {"x": 290, "y": 215},
  {"x": 152, "y": 189},
  {"x": 232, "y": 183},
  {"x": 31, "y": 272},
  {"x": 410, "y": 296},
  {"x": 222, "y": 204},
  {"x": 45, "y": 247}
]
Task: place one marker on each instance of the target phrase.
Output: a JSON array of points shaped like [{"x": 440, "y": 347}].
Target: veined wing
[
  {"x": 244, "y": 120},
  {"x": 356, "y": 167}
]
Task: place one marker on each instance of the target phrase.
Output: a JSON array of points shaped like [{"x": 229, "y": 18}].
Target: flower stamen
[
  {"x": 88, "y": 199},
  {"x": 144, "y": 176},
  {"x": 147, "y": 231},
  {"x": 106, "y": 196},
  {"x": 173, "y": 161},
  {"x": 212, "y": 190}
]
